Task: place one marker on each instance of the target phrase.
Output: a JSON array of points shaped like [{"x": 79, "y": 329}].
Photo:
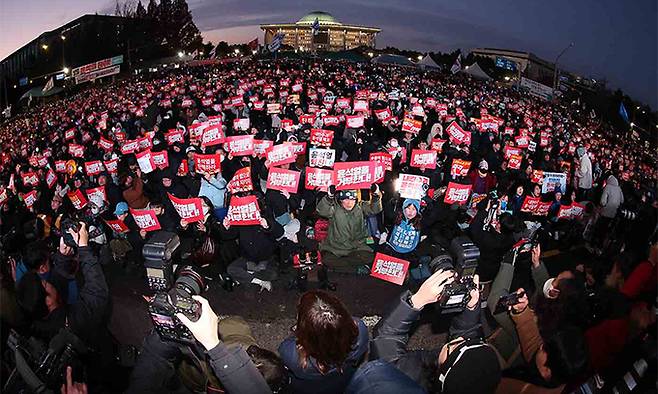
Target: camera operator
[
  {"x": 493, "y": 241},
  {"x": 43, "y": 302},
  {"x": 238, "y": 364},
  {"x": 465, "y": 364},
  {"x": 504, "y": 339}
]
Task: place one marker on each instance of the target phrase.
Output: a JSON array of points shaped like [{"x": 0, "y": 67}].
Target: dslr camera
[
  {"x": 463, "y": 260},
  {"x": 173, "y": 291}
]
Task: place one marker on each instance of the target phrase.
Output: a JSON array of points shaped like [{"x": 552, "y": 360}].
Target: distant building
[
  {"x": 332, "y": 36},
  {"x": 527, "y": 63}
]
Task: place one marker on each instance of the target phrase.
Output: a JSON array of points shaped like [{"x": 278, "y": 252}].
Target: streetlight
[
  {"x": 15, "y": 88},
  {"x": 507, "y": 77},
  {"x": 180, "y": 54},
  {"x": 555, "y": 65},
  {"x": 63, "y": 37},
  {"x": 66, "y": 70},
  {"x": 44, "y": 47},
  {"x": 420, "y": 57},
  {"x": 237, "y": 51},
  {"x": 371, "y": 54}
]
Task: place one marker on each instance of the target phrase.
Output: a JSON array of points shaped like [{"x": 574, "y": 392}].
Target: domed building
[{"x": 331, "y": 36}]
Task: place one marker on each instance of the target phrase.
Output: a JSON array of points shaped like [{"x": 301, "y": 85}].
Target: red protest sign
[
  {"x": 514, "y": 162},
  {"x": 60, "y": 166},
  {"x": 146, "y": 219},
  {"x": 160, "y": 159},
  {"x": 509, "y": 151},
  {"x": 283, "y": 180},
  {"x": 459, "y": 167},
  {"x": 542, "y": 208},
  {"x": 209, "y": 164},
  {"x": 129, "y": 147},
  {"x": 105, "y": 144},
  {"x": 389, "y": 268},
  {"x": 382, "y": 157},
  {"x": 361, "y": 105},
  {"x": 383, "y": 114},
  {"x": 69, "y": 134},
  {"x": 77, "y": 199},
  {"x": 189, "y": 209},
  {"x": 243, "y": 211},
  {"x": 51, "y": 178},
  {"x": 530, "y": 204},
  {"x": 343, "y": 102},
  {"x": 410, "y": 125},
  {"x": 522, "y": 141},
  {"x": 211, "y": 136},
  {"x": 457, "y": 193},
  {"x": 321, "y": 137},
  {"x": 241, "y": 181},
  {"x": 30, "y": 178},
  {"x": 239, "y": 145},
  {"x": 307, "y": 119},
  {"x": 572, "y": 211},
  {"x": 97, "y": 195},
  {"x": 354, "y": 175},
  {"x": 112, "y": 166},
  {"x": 280, "y": 154},
  {"x": 354, "y": 121},
  {"x": 458, "y": 135},
  {"x": 94, "y": 167},
  {"x": 537, "y": 176},
  {"x": 117, "y": 225},
  {"x": 261, "y": 146},
  {"x": 174, "y": 136},
  {"x": 29, "y": 198},
  {"x": 331, "y": 120},
  {"x": 423, "y": 158},
  {"x": 145, "y": 142},
  {"x": 318, "y": 178},
  {"x": 273, "y": 108},
  {"x": 76, "y": 150},
  {"x": 437, "y": 144}
]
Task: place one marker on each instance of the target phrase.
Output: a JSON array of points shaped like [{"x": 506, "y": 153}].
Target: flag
[
  {"x": 315, "y": 27},
  {"x": 623, "y": 113},
  {"x": 195, "y": 54},
  {"x": 277, "y": 40},
  {"x": 458, "y": 65},
  {"x": 253, "y": 44},
  {"x": 49, "y": 85},
  {"x": 212, "y": 53}
]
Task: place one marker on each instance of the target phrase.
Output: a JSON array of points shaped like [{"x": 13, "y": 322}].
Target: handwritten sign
[{"x": 389, "y": 268}]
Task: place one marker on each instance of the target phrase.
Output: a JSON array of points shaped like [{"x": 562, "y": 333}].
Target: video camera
[
  {"x": 466, "y": 254},
  {"x": 40, "y": 368},
  {"x": 173, "y": 293}
]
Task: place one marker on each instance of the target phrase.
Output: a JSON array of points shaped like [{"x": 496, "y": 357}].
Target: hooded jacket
[
  {"x": 405, "y": 237},
  {"x": 611, "y": 198},
  {"x": 584, "y": 172}
]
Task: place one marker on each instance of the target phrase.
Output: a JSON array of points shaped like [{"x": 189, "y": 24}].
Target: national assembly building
[{"x": 331, "y": 36}]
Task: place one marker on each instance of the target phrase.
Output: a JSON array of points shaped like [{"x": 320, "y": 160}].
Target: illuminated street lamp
[
  {"x": 371, "y": 54},
  {"x": 420, "y": 57},
  {"x": 237, "y": 51},
  {"x": 63, "y": 37},
  {"x": 507, "y": 78},
  {"x": 181, "y": 54},
  {"x": 66, "y": 70},
  {"x": 44, "y": 47}
]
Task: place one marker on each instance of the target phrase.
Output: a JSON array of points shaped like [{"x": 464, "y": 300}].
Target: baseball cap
[
  {"x": 121, "y": 208},
  {"x": 484, "y": 165}
]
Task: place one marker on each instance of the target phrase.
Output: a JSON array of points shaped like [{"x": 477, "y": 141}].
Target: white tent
[
  {"x": 475, "y": 71},
  {"x": 428, "y": 62}
]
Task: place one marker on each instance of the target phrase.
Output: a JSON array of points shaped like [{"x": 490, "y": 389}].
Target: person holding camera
[
  {"x": 44, "y": 302},
  {"x": 345, "y": 247},
  {"x": 465, "y": 363},
  {"x": 224, "y": 357}
]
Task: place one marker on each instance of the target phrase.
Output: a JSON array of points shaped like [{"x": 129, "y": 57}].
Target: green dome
[{"x": 323, "y": 17}]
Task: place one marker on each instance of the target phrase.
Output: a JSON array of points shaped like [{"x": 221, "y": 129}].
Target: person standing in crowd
[{"x": 583, "y": 174}]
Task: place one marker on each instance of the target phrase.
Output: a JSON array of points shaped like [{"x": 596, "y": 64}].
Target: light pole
[{"x": 555, "y": 66}]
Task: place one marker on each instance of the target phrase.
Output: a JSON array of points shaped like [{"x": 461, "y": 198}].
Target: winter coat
[
  {"x": 215, "y": 190},
  {"x": 347, "y": 229},
  {"x": 611, "y": 198},
  {"x": 404, "y": 236},
  {"x": 584, "y": 173},
  {"x": 310, "y": 380},
  {"x": 134, "y": 195}
]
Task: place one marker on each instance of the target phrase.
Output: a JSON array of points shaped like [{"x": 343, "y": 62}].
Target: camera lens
[
  {"x": 190, "y": 281},
  {"x": 441, "y": 262}
]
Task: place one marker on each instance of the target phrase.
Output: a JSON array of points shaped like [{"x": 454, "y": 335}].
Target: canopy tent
[
  {"x": 393, "y": 59},
  {"x": 37, "y": 92},
  {"x": 428, "y": 62},
  {"x": 475, "y": 71}
]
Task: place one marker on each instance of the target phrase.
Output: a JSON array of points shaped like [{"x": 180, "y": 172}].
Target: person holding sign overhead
[{"x": 345, "y": 247}]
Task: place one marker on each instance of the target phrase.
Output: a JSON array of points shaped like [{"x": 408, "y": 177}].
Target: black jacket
[{"x": 391, "y": 334}]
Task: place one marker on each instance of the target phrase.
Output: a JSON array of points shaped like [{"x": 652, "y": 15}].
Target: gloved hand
[{"x": 382, "y": 238}]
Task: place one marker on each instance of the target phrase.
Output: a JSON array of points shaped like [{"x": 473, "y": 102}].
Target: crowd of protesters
[{"x": 224, "y": 156}]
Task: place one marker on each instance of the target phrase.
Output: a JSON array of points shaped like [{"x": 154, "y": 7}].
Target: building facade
[
  {"x": 528, "y": 64},
  {"x": 332, "y": 35}
]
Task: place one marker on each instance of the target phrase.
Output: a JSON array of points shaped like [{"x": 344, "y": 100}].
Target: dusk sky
[{"x": 614, "y": 39}]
